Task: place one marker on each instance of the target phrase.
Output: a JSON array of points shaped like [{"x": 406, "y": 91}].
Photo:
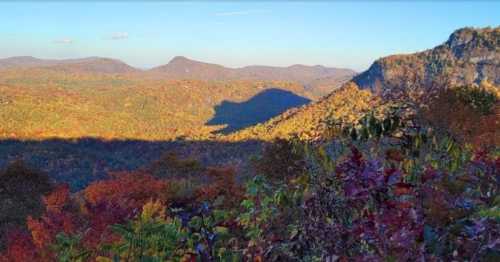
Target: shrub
[{"x": 21, "y": 192}]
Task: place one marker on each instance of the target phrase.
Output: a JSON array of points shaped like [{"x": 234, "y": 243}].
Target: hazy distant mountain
[
  {"x": 469, "y": 56},
  {"x": 89, "y": 64},
  {"x": 184, "y": 68},
  {"x": 26, "y": 61},
  {"x": 323, "y": 78},
  {"x": 299, "y": 73},
  {"x": 96, "y": 65},
  {"x": 179, "y": 68}
]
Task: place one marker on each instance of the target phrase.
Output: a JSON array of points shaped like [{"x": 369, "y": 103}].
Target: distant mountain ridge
[
  {"x": 468, "y": 56},
  {"x": 181, "y": 67},
  {"x": 88, "y": 64}
]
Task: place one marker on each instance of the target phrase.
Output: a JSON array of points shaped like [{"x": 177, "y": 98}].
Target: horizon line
[{"x": 147, "y": 68}]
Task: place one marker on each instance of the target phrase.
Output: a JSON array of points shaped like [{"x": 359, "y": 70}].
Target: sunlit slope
[
  {"x": 41, "y": 103},
  {"x": 469, "y": 56},
  {"x": 312, "y": 121}
]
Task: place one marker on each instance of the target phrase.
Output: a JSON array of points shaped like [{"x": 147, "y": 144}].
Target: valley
[{"x": 194, "y": 161}]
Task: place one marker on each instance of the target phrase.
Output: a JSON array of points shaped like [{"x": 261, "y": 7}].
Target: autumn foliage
[
  {"x": 469, "y": 113},
  {"x": 386, "y": 184}
]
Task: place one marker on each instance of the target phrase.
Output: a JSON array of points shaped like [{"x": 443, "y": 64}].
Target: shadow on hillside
[
  {"x": 260, "y": 108},
  {"x": 78, "y": 162}
]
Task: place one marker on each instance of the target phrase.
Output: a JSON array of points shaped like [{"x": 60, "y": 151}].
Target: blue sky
[{"x": 332, "y": 33}]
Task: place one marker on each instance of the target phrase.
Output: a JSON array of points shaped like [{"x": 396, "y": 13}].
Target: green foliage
[
  {"x": 323, "y": 212},
  {"x": 371, "y": 127},
  {"x": 478, "y": 98},
  {"x": 493, "y": 213},
  {"x": 150, "y": 237},
  {"x": 68, "y": 248}
]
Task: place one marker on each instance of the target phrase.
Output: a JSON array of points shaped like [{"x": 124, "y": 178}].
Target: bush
[{"x": 21, "y": 192}]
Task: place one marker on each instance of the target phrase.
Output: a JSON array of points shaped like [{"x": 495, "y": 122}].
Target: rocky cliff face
[{"x": 469, "y": 56}]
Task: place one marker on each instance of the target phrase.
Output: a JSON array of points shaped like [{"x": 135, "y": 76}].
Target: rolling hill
[
  {"x": 96, "y": 65},
  {"x": 183, "y": 68},
  {"x": 89, "y": 64},
  {"x": 318, "y": 79},
  {"x": 102, "y": 97},
  {"x": 25, "y": 61},
  {"x": 42, "y": 102}
]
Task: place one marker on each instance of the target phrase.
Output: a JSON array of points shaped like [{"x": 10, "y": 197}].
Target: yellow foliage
[
  {"x": 153, "y": 211},
  {"x": 347, "y": 105}
]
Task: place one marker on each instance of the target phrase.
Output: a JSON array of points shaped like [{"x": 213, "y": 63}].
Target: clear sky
[{"x": 333, "y": 33}]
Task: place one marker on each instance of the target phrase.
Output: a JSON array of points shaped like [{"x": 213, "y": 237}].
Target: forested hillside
[
  {"x": 120, "y": 107},
  {"x": 400, "y": 164}
]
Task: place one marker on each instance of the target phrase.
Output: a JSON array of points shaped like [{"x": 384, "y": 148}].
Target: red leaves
[
  {"x": 40, "y": 234},
  {"x": 45, "y": 229},
  {"x": 57, "y": 199},
  {"x": 20, "y": 248},
  {"x": 99, "y": 219},
  {"x": 402, "y": 189},
  {"x": 127, "y": 189}
]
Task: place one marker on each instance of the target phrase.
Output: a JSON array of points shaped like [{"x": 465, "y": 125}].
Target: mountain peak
[
  {"x": 467, "y": 35},
  {"x": 470, "y": 53},
  {"x": 179, "y": 59},
  {"x": 181, "y": 67}
]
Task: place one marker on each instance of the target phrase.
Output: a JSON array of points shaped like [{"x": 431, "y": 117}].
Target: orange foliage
[
  {"x": 55, "y": 201},
  {"x": 90, "y": 213},
  {"x": 39, "y": 233},
  {"x": 127, "y": 189},
  {"x": 45, "y": 229}
]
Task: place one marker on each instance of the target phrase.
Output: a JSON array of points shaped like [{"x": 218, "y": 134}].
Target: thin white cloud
[
  {"x": 242, "y": 12},
  {"x": 119, "y": 36},
  {"x": 65, "y": 41}
]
